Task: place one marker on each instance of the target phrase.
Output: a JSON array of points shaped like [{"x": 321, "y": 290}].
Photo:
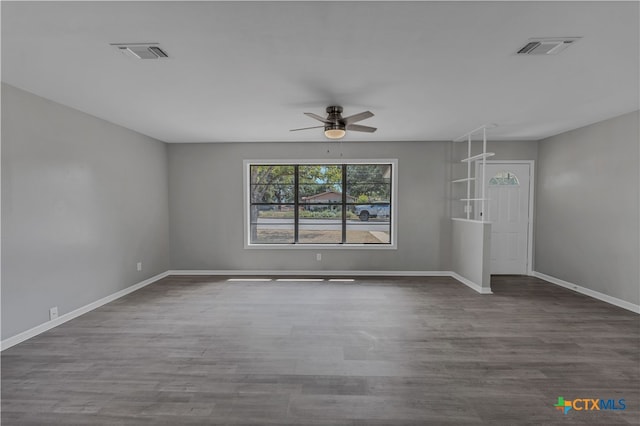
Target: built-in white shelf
[
  {"x": 478, "y": 157},
  {"x": 463, "y": 180},
  {"x": 482, "y": 157}
]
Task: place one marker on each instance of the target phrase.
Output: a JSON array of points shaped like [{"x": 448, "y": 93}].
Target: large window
[{"x": 320, "y": 203}]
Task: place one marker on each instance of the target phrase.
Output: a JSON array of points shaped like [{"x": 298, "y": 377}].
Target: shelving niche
[{"x": 469, "y": 200}]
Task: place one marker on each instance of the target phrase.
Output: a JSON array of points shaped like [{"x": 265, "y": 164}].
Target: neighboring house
[{"x": 324, "y": 198}]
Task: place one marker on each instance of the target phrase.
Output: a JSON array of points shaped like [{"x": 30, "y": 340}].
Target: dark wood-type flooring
[{"x": 377, "y": 351}]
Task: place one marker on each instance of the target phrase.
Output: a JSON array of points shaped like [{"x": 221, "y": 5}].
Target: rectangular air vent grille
[
  {"x": 546, "y": 46},
  {"x": 141, "y": 50}
]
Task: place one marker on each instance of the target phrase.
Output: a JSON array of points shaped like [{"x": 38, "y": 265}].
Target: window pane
[
  {"x": 272, "y": 184},
  {"x": 504, "y": 178},
  {"x": 371, "y": 212},
  {"x": 271, "y": 211},
  {"x": 367, "y": 183},
  {"x": 272, "y": 193},
  {"x": 310, "y": 194},
  {"x": 320, "y": 224},
  {"x": 320, "y": 211},
  {"x": 316, "y": 215},
  {"x": 320, "y": 183},
  {"x": 369, "y": 224},
  {"x": 372, "y": 232},
  {"x": 272, "y": 224},
  {"x": 320, "y": 173},
  {"x": 272, "y": 174}
]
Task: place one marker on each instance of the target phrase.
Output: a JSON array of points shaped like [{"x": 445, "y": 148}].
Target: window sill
[{"x": 321, "y": 246}]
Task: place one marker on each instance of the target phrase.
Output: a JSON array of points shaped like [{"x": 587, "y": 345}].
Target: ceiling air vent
[
  {"x": 141, "y": 50},
  {"x": 546, "y": 46}
]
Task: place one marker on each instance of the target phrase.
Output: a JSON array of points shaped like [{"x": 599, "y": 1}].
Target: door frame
[{"x": 532, "y": 169}]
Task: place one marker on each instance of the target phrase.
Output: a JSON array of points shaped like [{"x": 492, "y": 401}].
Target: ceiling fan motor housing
[
  {"x": 334, "y": 126},
  {"x": 334, "y": 110},
  {"x": 334, "y": 114}
]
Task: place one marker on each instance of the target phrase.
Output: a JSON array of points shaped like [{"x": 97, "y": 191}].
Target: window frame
[{"x": 330, "y": 246}]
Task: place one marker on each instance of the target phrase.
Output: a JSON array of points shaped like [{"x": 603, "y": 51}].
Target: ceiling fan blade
[
  {"x": 359, "y": 128},
  {"x": 317, "y": 117},
  {"x": 357, "y": 117},
  {"x": 306, "y": 128}
]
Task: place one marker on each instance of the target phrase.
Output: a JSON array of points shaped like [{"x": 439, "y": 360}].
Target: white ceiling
[{"x": 246, "y": 71}]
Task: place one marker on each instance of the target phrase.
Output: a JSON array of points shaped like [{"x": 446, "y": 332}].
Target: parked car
[{"x": 366, "y": 211}]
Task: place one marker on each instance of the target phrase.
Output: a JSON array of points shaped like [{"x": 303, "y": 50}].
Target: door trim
[{"x": 532, "y": 169}]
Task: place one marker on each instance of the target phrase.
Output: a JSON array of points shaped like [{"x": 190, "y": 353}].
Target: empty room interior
[{"x": 320, "y": 213}]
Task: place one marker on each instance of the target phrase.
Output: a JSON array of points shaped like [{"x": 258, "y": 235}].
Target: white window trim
[{"x": 394, "y": 206}]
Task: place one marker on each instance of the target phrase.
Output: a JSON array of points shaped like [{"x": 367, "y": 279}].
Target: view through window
[{"x": 320, "y": 203}]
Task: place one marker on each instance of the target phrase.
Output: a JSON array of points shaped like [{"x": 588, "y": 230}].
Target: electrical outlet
[
  {"x": 139, "y": 266},
  {"x": 53, "y": 313},
  {"x": 318, "y": 257}
]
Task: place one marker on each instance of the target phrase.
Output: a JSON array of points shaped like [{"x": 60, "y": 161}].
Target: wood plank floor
[{"x": 392, "y": 351}]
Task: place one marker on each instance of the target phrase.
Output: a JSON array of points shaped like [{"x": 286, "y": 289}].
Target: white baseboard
[
  {"x": 470, "y": 284},
  {"x": 25, "y": 335},
  {"x": 588, "y": 292},
  {"x": 317, "y": 273},
  {"x": 314, "y": 273}
]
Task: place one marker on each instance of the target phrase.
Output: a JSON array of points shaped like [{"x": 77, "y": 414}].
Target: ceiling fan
[{"x": 335, "y": 126}]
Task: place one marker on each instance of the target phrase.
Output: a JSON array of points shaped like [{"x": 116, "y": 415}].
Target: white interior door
[{"x": 507, "y": 188}]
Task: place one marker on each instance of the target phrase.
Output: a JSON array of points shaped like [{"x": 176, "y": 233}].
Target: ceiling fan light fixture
[
  {"x": 334, "y": 131},
  {"x": 335, "y": 126}
]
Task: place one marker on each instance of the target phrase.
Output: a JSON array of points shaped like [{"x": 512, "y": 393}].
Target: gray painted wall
[
  {"x": 587, "y": 207},
  {"x": 206, "y": 206},
  {"x": 207, "y": 219},
  {"x": 513, "y": 150},
  {"x": 83, "y": 201},
  {"x": 470, "y": 252}
]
